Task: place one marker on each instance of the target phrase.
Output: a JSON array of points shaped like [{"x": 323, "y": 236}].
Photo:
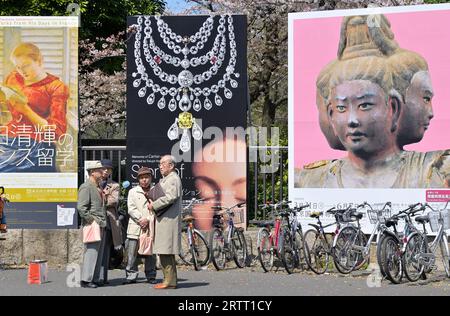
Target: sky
[{"x": 177, "y": 5}]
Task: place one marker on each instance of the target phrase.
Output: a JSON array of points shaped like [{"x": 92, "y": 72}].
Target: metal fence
[
  {"x": 267, "y": 172},
  {"x": 268, "y": 177},
  {"x": 117, "y": 154}
]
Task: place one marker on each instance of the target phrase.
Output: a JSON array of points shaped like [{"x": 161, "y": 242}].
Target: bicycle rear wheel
[
  {"x": 391, "y": 259},
  {"x": 445, "y": 254},
  {"x": 200, "y": 250},
  {"x": 239, "y": 248},
  {"x": 288, "y": 252},
  {"x": 265, "y": 253},
  {"x": 218, "y": 255},
  {"x": 416, "y": 246},
  {"x": 317, "y": 256},
  {"x": 185, "y": 251}
]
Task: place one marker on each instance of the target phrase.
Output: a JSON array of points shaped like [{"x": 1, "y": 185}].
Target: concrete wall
[{"x": 58, "y": 247}]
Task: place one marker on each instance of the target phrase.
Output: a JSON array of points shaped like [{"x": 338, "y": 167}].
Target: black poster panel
[{"x": 215, "y": 167}]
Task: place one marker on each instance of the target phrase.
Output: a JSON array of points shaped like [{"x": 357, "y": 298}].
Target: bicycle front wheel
[
  {"x": 218, "y": 254},
  {"x": 445, "y": 254},
  {"x": 344, "y": 256},
  {"x": 239, "y": 248},
  {"x": 391, "y": 259},
  {"x": 317, "y": 255},
  {"x": 301, "y": 252},
  {"x": 265, "y": 253},
  {"x": 288, "y": 253},
  {"x": 413, "y": 268}
]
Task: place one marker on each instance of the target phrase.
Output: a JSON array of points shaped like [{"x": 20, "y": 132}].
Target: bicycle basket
[
  {"x": 345, "y": 217},
  {"x": 381, "y": 215},
  {"x": 436, "y": 218}
]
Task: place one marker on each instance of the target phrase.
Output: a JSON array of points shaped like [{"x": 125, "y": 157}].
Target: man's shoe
[
  {"x": 162, "y": 286},
  {"x": 100, "y": 283},
  {"x": 126, "y": 282},
  {"x": 88, "y": 285},
  {"x": 152, "y": 281}
]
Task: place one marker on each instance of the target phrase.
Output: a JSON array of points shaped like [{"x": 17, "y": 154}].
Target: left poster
[{"x": 39, "y": 120}]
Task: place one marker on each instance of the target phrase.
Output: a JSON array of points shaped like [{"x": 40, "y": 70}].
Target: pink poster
[{"x": 368, "y": 106}]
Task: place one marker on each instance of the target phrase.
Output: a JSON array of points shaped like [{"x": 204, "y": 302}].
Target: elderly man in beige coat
[
  {"x": 168, "y": 222},
  {"x": 140, "y": 217}
]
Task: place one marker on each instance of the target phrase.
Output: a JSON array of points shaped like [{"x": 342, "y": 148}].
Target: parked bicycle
[
  {"x": 391, "y": 247},
  {"x": 321, "y": 246},
  {"x": 194, "y": 247},
  {"x": 285, "y": 241},
  {"x": 355, "y": 247},
  {"x": 420, "y": 256},
  {"x": 228, "y": 243}
]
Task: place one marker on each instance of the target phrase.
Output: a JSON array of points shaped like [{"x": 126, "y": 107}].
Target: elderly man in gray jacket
[
  {"x": 139, "y": 219},
  {"x": 168, "y": 222},
  {"x": 91, "y": 207}
]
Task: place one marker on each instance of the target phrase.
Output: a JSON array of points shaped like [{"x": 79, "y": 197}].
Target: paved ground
[{"x": 232, "y": 282}]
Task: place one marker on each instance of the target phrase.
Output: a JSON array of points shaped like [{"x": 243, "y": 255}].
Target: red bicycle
[{"x": 285, "y": 241}]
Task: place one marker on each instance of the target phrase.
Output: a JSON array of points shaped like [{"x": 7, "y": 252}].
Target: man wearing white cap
[{"x": 91, "y": 207}]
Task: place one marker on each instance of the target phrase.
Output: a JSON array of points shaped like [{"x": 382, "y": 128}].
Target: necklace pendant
[
  {"x": 234, "y": 83},
  {"x": 208, "y": 104},
  {"x": 197, "y": 105},
  {"x": 218, "y": 99},
  {"x": 142, "y": 92},
  {"x": 228, "y": 94},
  {"x": 162, "y": 103},
  {"x": 172, "y": 105},
  {"x": 185, "y": 143},
  {"x": 197, "y": 132},
  {"x": 173, "y": 132},
  {"x": 151, "y": 99},
  {"x": 136, "y": 83},
  {"x": 185, "y": 103}
]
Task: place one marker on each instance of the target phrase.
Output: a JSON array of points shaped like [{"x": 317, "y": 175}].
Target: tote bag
[{"x": 91, "y": 233}]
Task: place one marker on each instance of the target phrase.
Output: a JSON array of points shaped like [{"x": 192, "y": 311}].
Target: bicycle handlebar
[{"x": 228, "y": 210}]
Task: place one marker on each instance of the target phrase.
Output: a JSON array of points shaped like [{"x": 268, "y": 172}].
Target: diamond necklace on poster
[{"x": 182, "y": 90}]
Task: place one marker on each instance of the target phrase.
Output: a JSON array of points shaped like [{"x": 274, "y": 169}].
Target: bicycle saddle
[
  {"x": 316, "y": 214},
  {"x": 391, "y": 222},
  {"x": 422, "y": 219}
]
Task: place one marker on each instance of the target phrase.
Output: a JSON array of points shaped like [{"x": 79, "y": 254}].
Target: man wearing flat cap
[
  {"x": 113, "y": 232},
  {"x": 167, "y": 208},
  {"x": 140, "y": 217},
  {"x": 91, "y": 207}
]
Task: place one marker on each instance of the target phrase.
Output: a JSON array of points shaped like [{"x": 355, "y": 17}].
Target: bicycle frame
[{"x": 428, "y": 259}]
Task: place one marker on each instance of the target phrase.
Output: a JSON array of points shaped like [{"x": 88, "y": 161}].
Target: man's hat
[
  {"x": 106, "y": 163},
  {"x": 144, "y": 170},
  {"x": 96, "y": 164}
]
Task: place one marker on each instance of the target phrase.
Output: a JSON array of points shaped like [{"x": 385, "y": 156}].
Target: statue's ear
[
  {"x": 329, "y": 111},
  {"x": 395, "y": 102}
]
